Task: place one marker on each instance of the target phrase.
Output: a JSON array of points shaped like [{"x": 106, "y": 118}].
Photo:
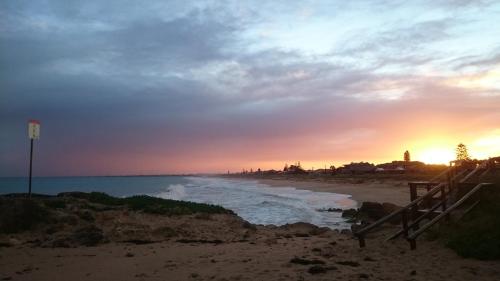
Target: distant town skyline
[{"x": 167, "y": 87}]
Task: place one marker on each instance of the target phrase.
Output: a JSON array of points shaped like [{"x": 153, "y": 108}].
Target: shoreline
[
  {"x": 390, "y": 191},
  {"x": 82, "y": 238}
]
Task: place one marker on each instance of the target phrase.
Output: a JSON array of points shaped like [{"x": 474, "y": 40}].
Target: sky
[{"x": 155, "y": 87}]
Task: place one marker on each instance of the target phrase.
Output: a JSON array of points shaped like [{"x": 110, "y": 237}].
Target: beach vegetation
[
  {"x": 21, "y": 215},
  {"x": 406, "y": 156},
  {"x": 477, "y": 233},
  {"x": 153, "y": 205},
  {"x": 462, "y": 152}
]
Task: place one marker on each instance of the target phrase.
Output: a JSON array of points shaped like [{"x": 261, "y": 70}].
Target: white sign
[{"x": 34, "y": 129}]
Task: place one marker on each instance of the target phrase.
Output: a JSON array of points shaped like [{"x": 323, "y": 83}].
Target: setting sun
[{"x": 435, "y": 155}]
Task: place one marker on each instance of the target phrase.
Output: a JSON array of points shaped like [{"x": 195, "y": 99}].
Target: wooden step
[{"x": 427, "y": 210}]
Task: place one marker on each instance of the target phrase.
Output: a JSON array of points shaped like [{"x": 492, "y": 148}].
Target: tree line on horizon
[{"x": 461, "y": 151}]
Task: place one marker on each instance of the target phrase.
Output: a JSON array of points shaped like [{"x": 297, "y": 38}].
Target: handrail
[
  {"x": 415, "y": 234},
  {"x": 431, "y": 192},
  {"x": 471, "y": 173},
  {"x": 416, "y": 221},
  {"x": 442, "y": 173},
  {"x": 403, "y": 211}
]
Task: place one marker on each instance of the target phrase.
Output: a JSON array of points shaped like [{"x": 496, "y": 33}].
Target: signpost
[{"x": 34, "y": 134}]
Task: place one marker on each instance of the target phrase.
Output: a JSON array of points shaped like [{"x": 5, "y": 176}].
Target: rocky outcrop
[{"x": 372, "y": 211}]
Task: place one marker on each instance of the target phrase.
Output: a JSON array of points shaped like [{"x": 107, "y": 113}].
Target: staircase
[{"x": 444, "y": 194}]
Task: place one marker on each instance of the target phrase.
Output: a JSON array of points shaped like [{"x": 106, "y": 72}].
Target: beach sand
[
  {"x": 266, "y": 258},
  {"x": 140, "y": 246},
  {"x": 391, "y": 191}
]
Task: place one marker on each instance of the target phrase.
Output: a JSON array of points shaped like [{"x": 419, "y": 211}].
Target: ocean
[{"x": 255, "y": 202}]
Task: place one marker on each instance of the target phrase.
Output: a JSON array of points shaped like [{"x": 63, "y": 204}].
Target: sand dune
[{"x": 139, "y": 246}]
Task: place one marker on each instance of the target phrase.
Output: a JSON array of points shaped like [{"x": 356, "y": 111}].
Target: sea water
[{"x": 253, "y": 201}]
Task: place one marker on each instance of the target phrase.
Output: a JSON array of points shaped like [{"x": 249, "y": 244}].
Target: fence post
[
  {"x": 413, "y": 244},
  {"x": 443, "y": 200},
  {"x": 361, "y": 240},
  {"x": 413, "y": 191},
  {"x": 404, "y": 221}
]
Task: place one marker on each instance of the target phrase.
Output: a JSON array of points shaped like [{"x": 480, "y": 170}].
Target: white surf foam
[
  {"x": 173, "y": 191},
  {"x": 262, "y": 204}
]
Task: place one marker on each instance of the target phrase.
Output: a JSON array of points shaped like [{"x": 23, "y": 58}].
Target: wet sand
[{"x": 396, "y": 192}]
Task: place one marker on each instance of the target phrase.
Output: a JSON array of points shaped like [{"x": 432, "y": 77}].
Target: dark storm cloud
[
  {"x": 92, "y": 86},
  {"x": 174, "y": 80}
]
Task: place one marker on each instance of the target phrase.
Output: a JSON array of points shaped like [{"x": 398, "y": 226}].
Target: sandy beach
[
  {"x": 269, "y": 255},
  {"x": 391, "y": 191},
  {"x": 85, "y": 241}
]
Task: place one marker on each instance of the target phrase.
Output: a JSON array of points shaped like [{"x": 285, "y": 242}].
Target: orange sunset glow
[
  {"x": 228, "y": 88},
  {"x": 250, "y": 140}
]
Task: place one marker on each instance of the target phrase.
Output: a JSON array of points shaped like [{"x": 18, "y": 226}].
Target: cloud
[{"x": 128, "y": 87}]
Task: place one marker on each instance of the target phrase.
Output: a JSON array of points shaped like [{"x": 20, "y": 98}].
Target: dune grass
[
  {"x": 17, "y": 215},
  {"x": 477, "y": 234},
  {"x": 153, "y": 205}
]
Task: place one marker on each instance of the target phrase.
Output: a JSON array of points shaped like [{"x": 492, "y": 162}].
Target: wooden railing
[
  {"x": 413, "y": 236},
  {"x": 362, "y": 232},
  {"x": 409, "y": 213}
]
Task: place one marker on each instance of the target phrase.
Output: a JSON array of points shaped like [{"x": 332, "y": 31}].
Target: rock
[
  {"x": 248, "y": 225},
  {"x": 165, "y": 232},
  {"x": 86, "y": 215},
  {"x": 88, "y": 236},
  {"x": 202, "y": 241},
  {"x": 389, "y": 208},
  {"x": 349, "y": 263},
  {"x": 350, "y": 213},
  {"x": 320, "y": 230},
  {"x": 336, "y": 210},
  {"x": 297, "y": 260},
  {"x": 67, "y": 219},
  {"x": 14, "y": 242},
  {"x": 84, "y": 236},
  {"x": 302, "y": 229},
  {"x": 316, "y": 269},
  {"x": 129, "y": 255},
  {"x": 203, "y": 216},
  {"x": 372, "y": 210},
  {"x": 345, "y": 231},
  {"x": 6, "y": 241},
  {"x": 356, "y": 227},
  {"x": 271, "y": 241},
  {"x": 375, "y": 211},
  {"x": 364, "y": 276}
]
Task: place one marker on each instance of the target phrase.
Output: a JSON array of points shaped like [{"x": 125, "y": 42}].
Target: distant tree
[
  {"x": 286, "y": 168},
  {"x": 407, "y": 156},
  {"x": 258, "y": 170},
  {"x": 462, "y": 153}
]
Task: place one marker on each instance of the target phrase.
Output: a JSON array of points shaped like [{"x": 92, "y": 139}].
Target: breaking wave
[{"x": 261, "y": 204}]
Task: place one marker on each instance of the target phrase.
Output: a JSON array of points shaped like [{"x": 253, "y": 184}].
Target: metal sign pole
[
  {"x": 34, "y": 134},
  {"x": 31, "y": 166}
]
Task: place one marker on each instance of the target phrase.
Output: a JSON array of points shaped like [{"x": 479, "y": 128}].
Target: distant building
[
  {"x": 402, "y": 166},
  {"x": 295, "y": 169},
  {"x": 357, "y": 168}
]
